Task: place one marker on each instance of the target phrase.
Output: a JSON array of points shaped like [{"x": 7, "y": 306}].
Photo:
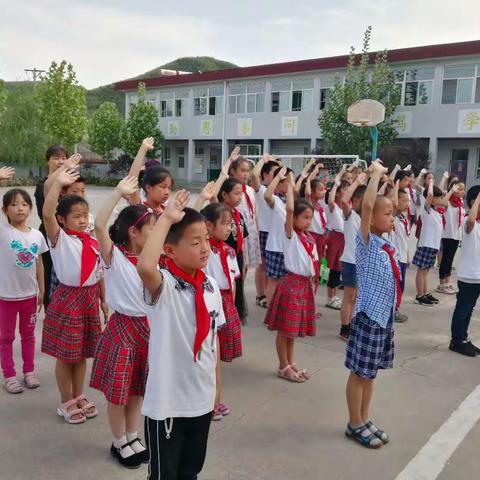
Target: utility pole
[{"x": 36, "y": 73}]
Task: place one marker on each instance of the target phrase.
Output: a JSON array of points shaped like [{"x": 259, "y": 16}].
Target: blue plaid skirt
[
  {"x": 425, "y": 257},
  {"x": 370, "y": 347},
  {"x": 263, "y": 237},
  {"x": 274, "y": 264}
]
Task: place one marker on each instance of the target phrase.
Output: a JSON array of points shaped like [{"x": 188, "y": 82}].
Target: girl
[
  {"x": 291, "y": 311},
  {"x": 315, "y": 193},
  {"x": 121, "y": 360},
  {"x": 72, "y": 325},
  {"x": 231, "y": 195},
  {"x": 22, "y": 287},
  {"x": 157, "y": 184}
]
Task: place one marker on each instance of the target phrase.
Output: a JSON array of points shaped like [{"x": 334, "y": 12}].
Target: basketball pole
[{"x": 374, "y": 137}]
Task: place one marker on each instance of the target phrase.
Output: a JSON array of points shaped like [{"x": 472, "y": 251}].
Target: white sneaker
[
  {"x": 444, "y": 288},
  {"x": 452, "y": 288},
  {"x": 334, "y": 303}
]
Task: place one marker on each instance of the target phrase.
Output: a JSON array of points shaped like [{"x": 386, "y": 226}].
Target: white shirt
[
  {"x": 67, "y": 261},
  {"x": 351, "y": 228},
  {"x": 412, "y": 203},
  {"x": 176, "y": 385},
  {"x": 452, "y": 228},
  {"x": 123, "y": 286},
  {"x": 277, "y": 226},
  {"x": 243, "y": 207},
  {"x": 296, "y": 257},
  {"x": 317, "y": 225},
  {"x": 18, "y": 260},
  {"x": 214, "y": 268},
  {"x": 335, "y": 219},
  {"x": 400, "y": 237},
  {"x": 432, "y": 228},
  {"x": 264, "y": 212},
  {"x": 469, "y": 266}
]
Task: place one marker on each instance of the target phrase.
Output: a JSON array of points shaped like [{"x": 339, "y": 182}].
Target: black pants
[
  {"x": 449, "y": 248},
  {"x": 180, "y": 457},
  {"x": 467, "y": 297},
  {"x": 47, "y": 270},
  {"x": 334, "y": 279}
]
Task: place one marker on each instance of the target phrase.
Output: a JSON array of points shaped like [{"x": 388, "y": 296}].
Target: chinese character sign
[
  {"x": 244, "y": 127},
  {"x": 402, "y": 121},
  {"x": 289, "y": 126},
  {"x": 469, "y": 121},
  {"x": 206, "y": 128},
  {"x": 173, "y": 129}
]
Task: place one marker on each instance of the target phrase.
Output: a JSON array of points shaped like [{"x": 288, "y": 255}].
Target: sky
[{"x": 107, "y": 41}]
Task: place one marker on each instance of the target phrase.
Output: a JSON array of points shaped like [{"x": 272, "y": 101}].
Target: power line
[{"x": 36, "y": 73}]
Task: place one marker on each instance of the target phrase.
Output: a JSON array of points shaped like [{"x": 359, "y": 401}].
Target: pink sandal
[
  {"x": 31, "y": 380},
  {"x": 12, "y": 385},
  {"x": 288, "y": 373},
  {"x": 62, "y": 411},
  {"x": 301, "y": 371},
  {"x": 88, "y": 406}
]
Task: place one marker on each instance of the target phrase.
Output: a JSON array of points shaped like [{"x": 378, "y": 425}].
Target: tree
[
  {"x": 62, "y": 104},
  {"x": 339, "y": 136},
  {"x": 142, "y": 122},
  {"x": 104, "y": 129},
  {"x": 3, "y": 97}
]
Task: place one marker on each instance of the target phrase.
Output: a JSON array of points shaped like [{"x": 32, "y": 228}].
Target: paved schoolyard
[{"x": 279, "y": 430}]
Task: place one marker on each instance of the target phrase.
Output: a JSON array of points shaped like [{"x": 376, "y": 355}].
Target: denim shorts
[{"x": 349, "y": 275}]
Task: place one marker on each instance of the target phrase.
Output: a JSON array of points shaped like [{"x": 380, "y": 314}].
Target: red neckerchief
[
  {"x": 320, "y": 211},
  {"x": 201, "y": 312},
  {"x": 412, "y": 197},
  {"x": 457, "y": 202},
  {"x": 442, "y": 211},
  {"x": 156, "y": 211},
  {"x": 248, "y": 200},
  {"x": 130, "y": 256},
  {"x": 409, "y": 214},
  {"x": 89, "y": 254},
  {"x": 222, "y": 248},
  {"x": 396, "y": 273},
  {"x": 406, "y": 223},
  {"x": 237, "y": 219},
  {"x": 308, "y": 243}
]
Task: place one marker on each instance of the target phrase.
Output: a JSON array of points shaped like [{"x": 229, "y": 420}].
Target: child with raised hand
[
  {"x": 71, "y": 327},
  {"x": 468, "y": 278},
  {"x": 120, "y": 364},
  {"x": 184, "y": 312},
  {"x": 21, "y": 287},
  {"x": 351, "y": 208},
  {"x": 370, "y": 346},
  {"x": 291, "y": 312}
]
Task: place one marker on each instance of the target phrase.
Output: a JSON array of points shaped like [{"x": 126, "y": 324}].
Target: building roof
[{"x": 394, "y": 56}]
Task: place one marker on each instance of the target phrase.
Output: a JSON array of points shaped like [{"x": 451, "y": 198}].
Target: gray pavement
[{"x": 277, "y": 430}]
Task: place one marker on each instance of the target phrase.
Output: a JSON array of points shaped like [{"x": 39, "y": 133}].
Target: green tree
[
  {"x": 62, "y": 104},
  {"x": 105, "y": 128},
  {"x": 3, "y": 97},
  {"x": 362, "y": 81},
  {"x": 142, "y": 122}
]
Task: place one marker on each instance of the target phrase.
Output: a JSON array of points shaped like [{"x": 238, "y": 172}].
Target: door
[
  {"x": 459, "y": 163},
  {"x": 215, "y": 163}
]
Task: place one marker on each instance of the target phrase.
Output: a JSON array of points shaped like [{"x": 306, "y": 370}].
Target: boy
[{"x": 184, "y": 312}]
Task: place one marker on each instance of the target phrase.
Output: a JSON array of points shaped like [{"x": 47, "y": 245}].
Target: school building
[{"x": 275, "y": 108}]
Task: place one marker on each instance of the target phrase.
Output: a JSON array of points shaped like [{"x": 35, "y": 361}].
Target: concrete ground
[{"x": 277, "y": 430}]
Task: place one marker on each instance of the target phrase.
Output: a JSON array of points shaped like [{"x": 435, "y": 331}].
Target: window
[
  {"x": 208, "y": 100},
  {"x": 166, "y": 104},
  {"x": 152, "y": 100},
  {"x": 166, "y": 154},
  {"x": 181, "y": 102},
  {"x": 461, "y": 84},
  {"x": 326, "y": 89},
  {"x": 418, "y": 85},
  {"x": 173, "y": 103},
  {"x": 199, "y": 151},
  {"x": 292, "y": 95},
  {"x": 181, "y": 157},
  {"x": 250, "y": 149},
  {"x": 247, "y": 98}
]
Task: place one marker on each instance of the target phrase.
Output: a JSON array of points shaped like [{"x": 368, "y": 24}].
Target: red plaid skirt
[
  {"x": 335, "y": 244},
  {"x": 120, "y": 366},
  {"x": 292, "y": 308},
  {"x": 320, "y": 244},
  {"x": 230, "y": 335},
  {"x": 71, "y": 327}
]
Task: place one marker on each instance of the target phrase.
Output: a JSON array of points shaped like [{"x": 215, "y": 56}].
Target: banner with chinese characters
[
  {"x": 402, "y": 122},
  {"x": 173, "y": 129},
  {"x": 244, "y": 127},
  {"x": 289, "y": 126},
  {"x": 469, "y": 121},
  {"x": 206, "y": 128}
]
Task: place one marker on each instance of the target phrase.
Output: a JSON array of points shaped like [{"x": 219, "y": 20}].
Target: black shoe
[
  {"x": 432, "y": 298},
  {"x": 474, "y": 347},
  {"x": 424, "y": 300},
  {"x": 129, "y": 462},
  {"x": 464, "y": 348},
  {"x": 144, "y": 456},
  {"x": 344, "y": 332}
]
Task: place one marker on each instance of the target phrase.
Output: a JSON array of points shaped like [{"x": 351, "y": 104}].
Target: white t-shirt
[
  {"x": 243, "y": 207},
  {"x": 432, "y": 228},
  {"x": 214, "y": 268},
  {"x": 469, "y": 266},
  {"x": 335, "y": 219},
  {"x": 264, "y": 212},
  {"x": 67, "y": 261},
  {"x": 412, "y": 203},
  {"x": 176, "y": 385},
  {"x": 297, "y": 260},
  {"x": 452, "y": 228},
  {"x": 123, "y": 286},
  {"x": 400, "y": 237},
  {"x": 351, "y": 228},
  {"x": 277, "y": 226},
  {"x": 317, "y": 225},
  {"x": 18, "y": 259}
]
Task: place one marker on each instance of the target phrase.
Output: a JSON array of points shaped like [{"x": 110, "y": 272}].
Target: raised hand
[
  {"x": 148, "y": 144},
  {"x": 128, "y": 186},
  {"x": 408, "y": 168},
  {"x": 6, "y": 173},
  {"x": 361, "y": 178},
  {"x": 73, "y": 161},
  {"x": 67, "y": 176},
  {"x": 378, "y": 167},
  {"x": 174, "y": 210},
  {"x": 235, "y": 154},
  {"x": 208, "y": 191},
  {"x": 446, "y": 174},
  {"x": 423, "y": 171}
]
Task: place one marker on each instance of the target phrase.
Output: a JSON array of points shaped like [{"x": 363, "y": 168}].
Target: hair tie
[{"x": 149, "y": 211}]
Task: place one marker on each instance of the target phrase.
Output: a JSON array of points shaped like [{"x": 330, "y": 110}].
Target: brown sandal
[{"x": 288, "y": 373}]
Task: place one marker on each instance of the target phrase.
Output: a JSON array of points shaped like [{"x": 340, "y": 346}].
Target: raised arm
[
  {"x": 447, "y": 196},
  {"x": 146, "y": 146},
  {"x": 308, "y": 184},
  {"x": 472, "y": 215},
  {"x": 347, "y": 196},
  {"x": 429, "y": 198},
  {"x": 393, "y": 173},
  {"x": 256, "y": 180},
  {"x": 443, "y": 181},
  {"x": 72, "y": 163},
  {"x": 289, "y": 206},
  {"x": 396, "y": 188},
  {"x": 7, "y": 173},
  {"x": 303, "y": 175},
  {"x": 206, "y": 195},
  {"x": 419, "y": 179},
  {"x": 273, "y": 185}
]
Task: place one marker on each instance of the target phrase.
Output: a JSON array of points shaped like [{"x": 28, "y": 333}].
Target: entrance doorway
[{"x": 459, "y": 163}]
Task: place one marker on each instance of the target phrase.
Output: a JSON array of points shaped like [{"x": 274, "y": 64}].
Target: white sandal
[
  {"x": 31, "y": 380},
  {"x": 12, "y": 385},
  {"x": 88, "y": 406},
  {"x": 62, "y": 411}
]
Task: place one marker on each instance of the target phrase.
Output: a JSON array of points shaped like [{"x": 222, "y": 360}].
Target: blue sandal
[
  {"x": 378, "y": 433},
  {"x": 369, "y": 441}
]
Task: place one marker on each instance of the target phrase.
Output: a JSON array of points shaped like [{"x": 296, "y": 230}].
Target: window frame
[
  {"x": 213, "y": 103},
  {"x": 276, "y": 94},
  {"x": 475, "y": 78},
  {"x": 404, "y": 82}
]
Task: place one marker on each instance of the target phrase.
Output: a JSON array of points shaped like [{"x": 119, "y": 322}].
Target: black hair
[
  {"x": 267, "y": 168},
  {"x": 155, "y": 175},
  {"x": 300, "y": 205},
  {"x": 55, "y": 150},
  {"x": 127, "y": 218},
  {"x": 214, "y": 211},
  {"x": 402, "y": 174},
  {"x": 12, "y": 194},
  {"x": 65, "y": 205},
  {"x": 453, "y": 180},
  {"x": 80, "y": 179},
  {"x": 402, "y": 191},
  {"x": 279, "y": 168},
  {"x": 472, "y": 195},
  {"x": 437, "y": 192},
  {"x": 236, "y": 164},
  {"x": 343, "y": 185},
  {"x": 227, "y": 187},
  {"x": 359, "y": 192},
  {"x": 177, "y": 230}
]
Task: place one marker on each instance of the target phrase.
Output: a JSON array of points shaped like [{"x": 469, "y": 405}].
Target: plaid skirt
[
  {"x": 335, "y": 244},
  {"x": 120, "y": 365},
  {"x": 71, "y": 327},
  {"x": 292, "y": 308},
  {"x": 263, "y": 237},
  {"x": 370, "y": 347},
  {"x": 425, "y": 257},
  {"x": 274, "y": 264},
  {"x": 320, "y": 242},
  {"x": 230, "y": 334}
]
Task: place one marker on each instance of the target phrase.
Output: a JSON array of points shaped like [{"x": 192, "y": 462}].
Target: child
[
  {"x": 351, "y": 206},
  {"x": 71, "y": 326},
  {"x": 315, "y": 193},
  {"x": 223, "y": 267},
  {"x": 404, "y": 178},
  {"x": 184, "y": 312},
  {"x": 120, "y": 365},
  {"x": 21, "y": 288},
  {"x": 451, "y": 237},
  {"x": 157, "y": 184},
  {"x": 370, "y": 345},
  {"x": 468, "y": 278},
  {"x": 291, "y": 311}
]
